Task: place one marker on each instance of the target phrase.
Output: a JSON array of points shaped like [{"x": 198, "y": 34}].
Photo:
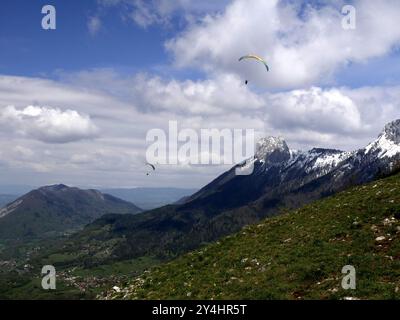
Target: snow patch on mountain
[
  {"x": 388, "y": 142},
  {"x": 330, "y": 160},
  {"x": 320, "y": 161},
  {"x": 272, "y": 149},
  {"x": 385, "y": 146}
]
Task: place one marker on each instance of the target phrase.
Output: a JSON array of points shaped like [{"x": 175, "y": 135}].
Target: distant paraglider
[
  {"x": 252, "y": 56},
  {"x": 153, "y": 168}
]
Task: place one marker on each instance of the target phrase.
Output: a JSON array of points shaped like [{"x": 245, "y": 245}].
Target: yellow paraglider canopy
[{"x": 252, "y": 56}]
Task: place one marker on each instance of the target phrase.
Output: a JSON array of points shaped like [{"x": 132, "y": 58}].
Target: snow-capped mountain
[{"x": 281, "y": 173}]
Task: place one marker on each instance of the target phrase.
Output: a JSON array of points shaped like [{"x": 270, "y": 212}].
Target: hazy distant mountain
[
  {"x": 151, "y": 198},
  {"x": 145, "y": 198},
  {"x": 56, "y": 209},
  {"x": 282, "y": 178}
]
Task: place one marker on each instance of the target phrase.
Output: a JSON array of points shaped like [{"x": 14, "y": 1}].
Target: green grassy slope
[{"x": 298, "y": 255}]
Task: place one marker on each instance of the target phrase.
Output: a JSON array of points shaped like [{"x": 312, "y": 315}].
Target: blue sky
[
  {"x": 76, "y": 103},
  {"x": 28, "y": 50},
  {"x": 377, "y": 71}
]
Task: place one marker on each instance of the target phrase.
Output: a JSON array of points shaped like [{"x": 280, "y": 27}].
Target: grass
[
  {"x": 298, "y": 255},
  {"x": 75, "y": 283},
  {"x": 123, "y": 268}
]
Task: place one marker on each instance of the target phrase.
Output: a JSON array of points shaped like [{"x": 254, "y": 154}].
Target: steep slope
[
  {"x": 56, "y": 209},
  {"x": 298, "y": 255},
  {"x": 282, "y": 178}
]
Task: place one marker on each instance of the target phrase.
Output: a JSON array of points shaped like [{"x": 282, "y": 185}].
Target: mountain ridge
[{"x": 289, "y": 179}]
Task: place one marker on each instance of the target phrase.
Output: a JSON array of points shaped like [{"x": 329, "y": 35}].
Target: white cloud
[
  {"x": 304, "y": 52},
  {"x": 160, "y": 12},
  {"x": 144, "y": 16},
  {"x": 225, "y": 93},
  {"x": 342, "y": 118},
  {"x": 324, "y": 111},
  {"x": 47, "y": 124},
  {"x": 94, "y": 25},
  {"x": 23, "y": 157},
  {"x": 125, "y": 108},
  {"x": 302, "y": 49}
]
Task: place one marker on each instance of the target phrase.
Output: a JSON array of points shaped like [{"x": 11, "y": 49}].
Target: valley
[{"x": 314, "y": 203}]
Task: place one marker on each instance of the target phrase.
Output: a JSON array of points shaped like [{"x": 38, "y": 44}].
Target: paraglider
[
  {"x": 151, "y": 166},
  {"x": 252, "y": 56}
]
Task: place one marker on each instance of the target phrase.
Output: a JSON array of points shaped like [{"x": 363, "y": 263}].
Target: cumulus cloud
[
  {"x": 304, "y": 45},
  {"x": 343, "y": 118},
  {"x": 324, "y": 111},
  {"x": 46, "y": 124},
  {"x": 225, "y": 93},
  {"x": 336, "y": 117},
  {"x": 114, "y": 158},
  {"x": 125, "y": 108}
]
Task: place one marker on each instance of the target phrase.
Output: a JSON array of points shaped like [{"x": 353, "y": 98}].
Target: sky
[{"x": 77, "y": 102}]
